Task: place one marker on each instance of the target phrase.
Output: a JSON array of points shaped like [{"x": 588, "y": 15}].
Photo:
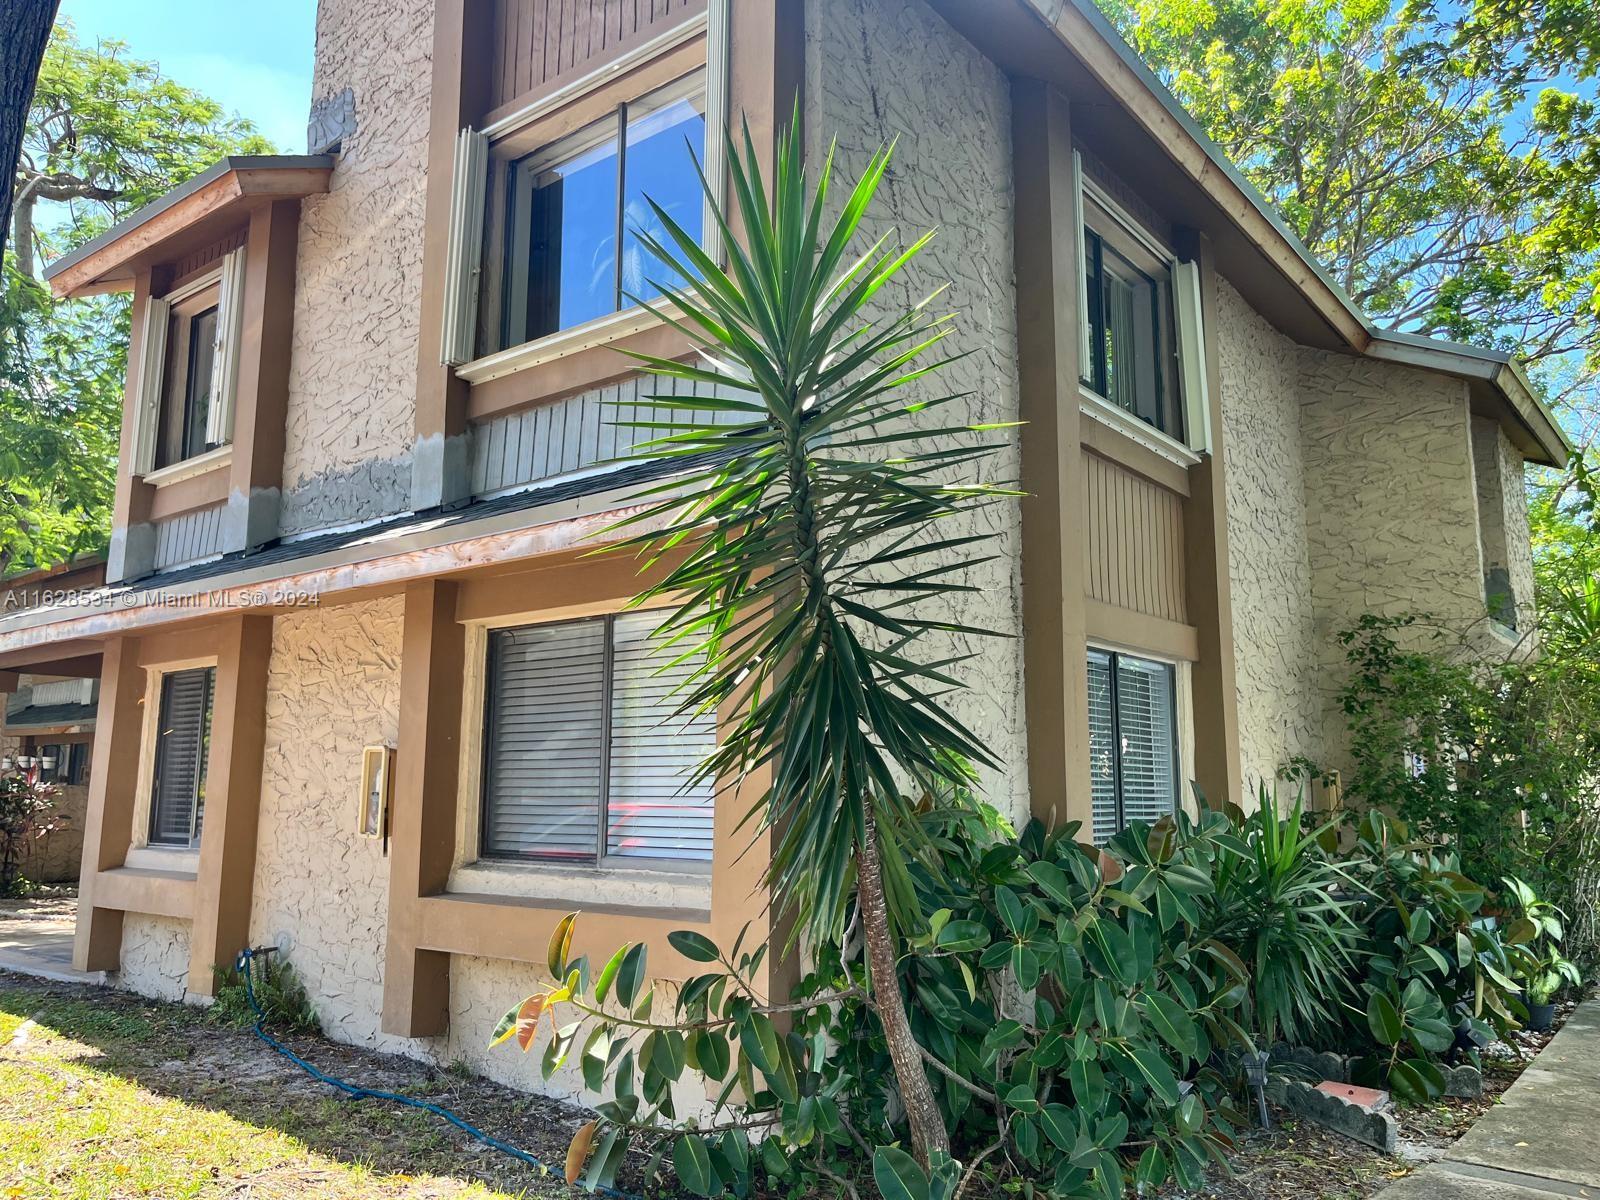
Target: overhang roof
[
  {"x": 191, "y": 215},
  {"x": 32, "y": 717},
  {"x": 1141, "y": 131}
]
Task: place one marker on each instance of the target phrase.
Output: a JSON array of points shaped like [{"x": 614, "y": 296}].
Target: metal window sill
[
  {"x": 1098, "y": 408},
  {"x": 200, "y": 464}
]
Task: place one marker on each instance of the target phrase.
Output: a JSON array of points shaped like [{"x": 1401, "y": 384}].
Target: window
[
  {"x": 1141, "y": 347},
  {"x": 585, "y": 757},
  {"x": 191, "y": 343},
  {"x": 78, "y": 763},
  {"x": 1133, "y": 744},
  {"x": 188, "y": 369},
  {"x": 572, "y": 204},
  {"x": 1132, "y": 359},
  {"x": 183, "y": 741}
]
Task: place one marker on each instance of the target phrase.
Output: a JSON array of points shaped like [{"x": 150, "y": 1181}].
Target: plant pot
[{"x": 1541, "y": 1017}]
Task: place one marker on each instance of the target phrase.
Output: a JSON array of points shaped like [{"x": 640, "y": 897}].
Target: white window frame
[
  {"x": 1187, "y": 328},
  {"x": 1183, "y": 699},
  {"x": 671, "y": 883},
  {"x": 229, "y": 279},
  {"x": 469, "y": 200}
]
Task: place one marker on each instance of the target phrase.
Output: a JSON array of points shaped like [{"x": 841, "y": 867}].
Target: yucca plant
[
  {"x": 805, "y": 550},
  {"x": 1288, "y": 910}
]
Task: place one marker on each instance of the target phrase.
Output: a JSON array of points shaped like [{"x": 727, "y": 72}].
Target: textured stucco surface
[
  {"x": 377, "y": 487},
  {"x": 885, "y": 68},
  {"x": 1503, "y": 512},
  {"x": 1393, "y": 507},
  {"x": 155, "y": 956},
  {"x": 352, "y": 373},
  {"x": 321, "y": 890},
  {"x": 1268, "y": 551}
]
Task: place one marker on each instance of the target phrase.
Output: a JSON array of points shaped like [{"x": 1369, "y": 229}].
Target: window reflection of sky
[
  {"x": 660, "y": 165},
  {"x": 587, "y": 195}
]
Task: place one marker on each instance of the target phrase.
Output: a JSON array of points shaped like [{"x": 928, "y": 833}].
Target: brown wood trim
[
  {"x": 580, "y": 371},
  {"x": 156, "y": 893},
  {"x": 1140, "y": 631},
  {"x": 108, "y": 816},
  {"x": 178, "y": 646},
  {"x": 1053, "y": 535},
  {"x": 265, "y": 344},
  {"x": 1218, "y": 766},
  {"x": 1139, "y": 460},
  {"x": 547, "y": 72},
  {"x": 185, "y": 495},
  {"x": 416, "y": 980},
  {"x": 225, "y": 881},
  {"x": 517, "y": 929},
  {"x": 459, "y": 95},
  {"x": 599, "y": 102},
  {"x": 187, "y": 225}
]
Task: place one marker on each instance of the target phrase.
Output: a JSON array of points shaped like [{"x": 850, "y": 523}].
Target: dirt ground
[
  {"x": 1300, "y": 1159},
  {"x": 83, "y": 1089}
]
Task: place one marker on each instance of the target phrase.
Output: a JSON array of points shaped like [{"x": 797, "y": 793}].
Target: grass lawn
[{"x": 106, "y": 1096}]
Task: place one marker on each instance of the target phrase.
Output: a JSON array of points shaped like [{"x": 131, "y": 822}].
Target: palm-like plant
[
  {"x": 804, "y": 543},
  {"x": 1288, "y": 909}
]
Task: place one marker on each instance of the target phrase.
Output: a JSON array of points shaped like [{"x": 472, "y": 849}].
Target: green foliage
[
  {"x": 1493, "y": 759},
  {"x": 1441, "y": 159},
  {"x": 1073, "y": 1007},
  {"x": 1537, "y": 932},
  {"x": 805, "y": 536},
  {"x": 279, "y": 992},
  {"x": 105, "y": 134},
  {"x": 27, "y": 812},
  {"x": 1434, "y": 961},
  {"x": 1289, "y": 910}
]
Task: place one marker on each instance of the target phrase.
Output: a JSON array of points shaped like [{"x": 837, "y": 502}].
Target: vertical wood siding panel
[{"x": 1133, "y": 548}]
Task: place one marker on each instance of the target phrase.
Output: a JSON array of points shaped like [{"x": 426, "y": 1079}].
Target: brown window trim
[{"x": 591, "y": 362}]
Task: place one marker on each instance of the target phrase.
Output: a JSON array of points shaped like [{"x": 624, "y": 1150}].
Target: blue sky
[{"x": 253, "y": 59}]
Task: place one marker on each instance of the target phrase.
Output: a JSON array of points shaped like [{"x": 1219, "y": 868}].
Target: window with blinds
[
  {"x": 183, "y": 738},
  {"x": 1133, "y": 742},
  {"x": 585, "y": 757}
]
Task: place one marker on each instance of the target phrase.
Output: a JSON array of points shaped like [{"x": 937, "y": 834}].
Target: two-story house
[{"x": 363, "y": 695}]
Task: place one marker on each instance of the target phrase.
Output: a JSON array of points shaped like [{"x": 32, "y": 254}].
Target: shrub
[
  {"x": 1491, "y": 758},
  {"x": 1435, "y": 965},
  {"x": 1288, "y": 910},
  {"x": 281, "y": 995},
  {"x": 1537, "y": 933},
  {"x": 1072, "y": 1014},
  {"x": 27, "y": 812}
]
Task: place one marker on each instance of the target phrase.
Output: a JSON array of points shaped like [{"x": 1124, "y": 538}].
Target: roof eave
[{"x": 229, "y": 186}]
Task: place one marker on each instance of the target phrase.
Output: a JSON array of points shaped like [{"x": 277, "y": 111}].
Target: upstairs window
[
  {"x": 572, "y": 204},
  {"x": 1141, "y": 348},
  {"x": 585, "y": 758},
  {"x": 191, "y": 368},
  {"x": 182, "y": 745},
  {"x": 1133, "y": 741},
  {"x": 189, "y": 352}
]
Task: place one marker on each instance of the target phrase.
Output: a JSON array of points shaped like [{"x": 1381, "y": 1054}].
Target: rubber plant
[{"x": 807, "y": 549}]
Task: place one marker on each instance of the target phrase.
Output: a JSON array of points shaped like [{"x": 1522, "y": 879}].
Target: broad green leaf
[
  {"x": 897, "y": 1175},
  {"x": 560, "y": 946},
  {"x": 692, "y": 1163},
  {"x": 696, "y": 947}
]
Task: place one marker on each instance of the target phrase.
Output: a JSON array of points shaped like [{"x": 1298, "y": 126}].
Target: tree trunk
[
  {"x": 922, "y": 1111},
  {"x": 24, "y": 32},
  {"x": 22, "y": 232}
]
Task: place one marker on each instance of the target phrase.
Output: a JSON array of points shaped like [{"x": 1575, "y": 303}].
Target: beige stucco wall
[
  {"x": 352, "y": 385},
  {"x": 1498, "y": 468},
  {"x": 321, "y": 890},
  {"x": 1393, "y": 509},
  {"x": 880, "y": 69},
  {"x": 155, "y": 956},
  {"x": 1268, "y": 552}
]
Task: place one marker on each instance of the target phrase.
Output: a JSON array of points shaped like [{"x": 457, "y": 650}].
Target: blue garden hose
[{"x": 242, "y": 964}]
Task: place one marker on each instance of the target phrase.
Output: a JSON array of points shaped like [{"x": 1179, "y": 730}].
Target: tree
[
  {"x": 24, "y": 31},
  {"x": 1443, "y": 160},
  {"x": 105, "y": 134},
  {"x": 809, "y": 545}
]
